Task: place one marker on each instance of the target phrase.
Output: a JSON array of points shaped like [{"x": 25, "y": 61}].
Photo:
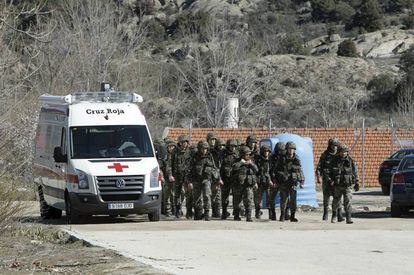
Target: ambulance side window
[{"x": 63, "y": 141}]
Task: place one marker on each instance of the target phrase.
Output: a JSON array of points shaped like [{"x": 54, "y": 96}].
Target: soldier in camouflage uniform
[
  {"x": 160, "y": 153},
  {"x": 291, "y": 175},
  {"x": 216, "y": 187},
  {"x": 168, "y": 193},
  {"x": 263, "y": 162},
  {"x": 274, "y": 189},
  {"x": 202, "y": 172},
  {"x": 179, "y": 166},
  {"x": 343, "y": 175},
  {"x": 322, "y": 171},
  {"x": 230, "y": 158},
  {"x": 245, "y": 181}
]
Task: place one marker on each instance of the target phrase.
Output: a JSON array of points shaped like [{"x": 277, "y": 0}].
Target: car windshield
[
  {"x": 110, "y": 142},
  {"x": 401, "y": 154}
]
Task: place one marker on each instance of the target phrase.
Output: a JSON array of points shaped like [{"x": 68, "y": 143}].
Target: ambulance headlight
[
  {"x": 82, "y": 179},
  {"x": 154, "y": 178}
]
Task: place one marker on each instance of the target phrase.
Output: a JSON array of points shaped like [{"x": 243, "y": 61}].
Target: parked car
[
  {"x": 402, "y": 187},
  {"x": 389, "y": 166}
]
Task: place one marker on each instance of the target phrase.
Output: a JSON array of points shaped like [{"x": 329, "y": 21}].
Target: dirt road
[{"x": 374, "y": 244}]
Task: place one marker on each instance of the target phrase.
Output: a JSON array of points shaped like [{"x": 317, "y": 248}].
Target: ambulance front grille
[{"x": 130, "y": 190}]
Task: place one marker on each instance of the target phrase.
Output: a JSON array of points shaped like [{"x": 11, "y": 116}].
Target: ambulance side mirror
[{"x": 58, "y": 156}]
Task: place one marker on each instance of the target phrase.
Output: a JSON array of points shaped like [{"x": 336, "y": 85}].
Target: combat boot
[
  {"x": 198, "y": 215},
  {"x": 257, "y": 213},
  {"x": 348, "y": 218},
  {"x": 206, "y": 215},
  {"x": 224, "y": 213},
  {"x": 292, "y": 217},
  {"x": 282, "y": 216},
  {"x": 287, "y": 214},
  {"x": 189, "y": 214},
  {"x": 216, "y": 212},
  {"x": 177, "y": 211},
  {"x": 340, "y": 216},
  {"x": 325, "y": 214},
  {"x": 237, "y": 216},
  {"x": 333, "y": 219},
  {"x": 249, "y": 215}
]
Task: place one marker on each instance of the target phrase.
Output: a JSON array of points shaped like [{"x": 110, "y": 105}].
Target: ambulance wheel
[
  {"x": 71, "y": 216},
  {"x": 46, "y": 211},
  {"x": 155, "y": 216}
]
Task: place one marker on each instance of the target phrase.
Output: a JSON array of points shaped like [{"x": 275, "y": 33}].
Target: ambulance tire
[
  {"x": 71, "y": 216},
  {"x": 155, "y": 216},
  {"x": 46, "y": 211}
]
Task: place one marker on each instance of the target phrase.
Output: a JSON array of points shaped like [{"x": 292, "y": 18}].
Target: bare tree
[
  {"x": 405, "y": 103},
  {"x": 220, "y": 71}
]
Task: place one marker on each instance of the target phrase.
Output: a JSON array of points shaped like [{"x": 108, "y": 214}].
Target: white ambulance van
[{"x": 94, "y": 156}]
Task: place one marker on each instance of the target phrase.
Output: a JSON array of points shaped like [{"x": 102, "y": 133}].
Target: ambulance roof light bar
[{"x": 107, "y": 95}]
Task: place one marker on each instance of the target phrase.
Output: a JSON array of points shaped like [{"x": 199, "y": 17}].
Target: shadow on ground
[
  {"x": 369, "y": 193},
  {"x": 380, "y": 215}
]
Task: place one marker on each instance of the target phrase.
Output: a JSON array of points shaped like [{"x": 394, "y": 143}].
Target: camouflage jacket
[
  {"x": 343, "y": 171},
  {"x": 217, "y": 156},
  {"x": 264, "y": 166},
  {"x": 167, "y": 170},
  {"x": 202, "y": 168},
  {"x": 229, "y": 160},
  {"x": 275, "y": 165},
  {"x": 322, "y": 170},
  {"x": 289, "y": 170},
  {"x": 245, "y": 174},
  {"x": 179, "y": 161}
]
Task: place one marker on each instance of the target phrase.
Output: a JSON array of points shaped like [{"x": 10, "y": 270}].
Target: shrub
[
  {"x": 369, "y": 16},
  {"x": 383, "y": 88},
  {"x": 347, "y": 48},
  {"x": 343, "y": 12},
  {"x": 408, "y": 21},
  {"x": 10, "y": 206},
  {"x": 407, "y": 60}
]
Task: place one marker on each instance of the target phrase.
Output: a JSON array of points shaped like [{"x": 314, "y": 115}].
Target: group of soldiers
[{"x": 204, "y": 177}]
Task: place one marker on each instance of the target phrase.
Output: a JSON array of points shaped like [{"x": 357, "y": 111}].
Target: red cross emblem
[{"x": 118, "y": 167}]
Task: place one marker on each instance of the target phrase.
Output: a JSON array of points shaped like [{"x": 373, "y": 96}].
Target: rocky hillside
[{"x": 318, "y": 63}]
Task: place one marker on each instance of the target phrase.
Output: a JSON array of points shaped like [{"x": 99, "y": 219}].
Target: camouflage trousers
[
  {"x": 202, "y": 196},
  {"x": 245, "y": 195},
  {"x": 272, "y": 196},
  {"x": 225, "y": 192},
  {"x": 346, "y": 192},
  {"x": 287, "y": 193},
  {"x": 181, "y": 192},
  {"x": 168, "y": 200},
  {"x": 258, "y": 195},
  {"x": 328, "y": 192},
  {"x": 216, "y": 197}
]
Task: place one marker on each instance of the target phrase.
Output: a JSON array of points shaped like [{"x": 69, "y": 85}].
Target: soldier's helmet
[
  {"x": 202, "y": 145},
  {"x": 344, "y": 148},
  {"x": 170, "y": 142},
  {"x": 265, "y": 148},
  {"x": 333, "y": 141},
  {"x": 251, "y": 139},
  {"x": 183, "y": 138},
  {"x": 290, "y": 145},
  {"x": 220, "y": 142},
  {"x": 231, "y": 142},
  {"x": 244, "y": 150},
  {"x": 211, "y": 135},
  {"x": 280, "y": 147}
]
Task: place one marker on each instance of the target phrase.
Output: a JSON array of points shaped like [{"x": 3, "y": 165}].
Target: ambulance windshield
[{"x": 110, "y": 142}]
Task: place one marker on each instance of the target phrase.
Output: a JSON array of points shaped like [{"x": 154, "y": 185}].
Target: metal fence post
[{"x": 363, "y": 153}]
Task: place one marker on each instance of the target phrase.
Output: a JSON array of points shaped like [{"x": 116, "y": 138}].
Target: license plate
[{"x": 114, "y": 206}]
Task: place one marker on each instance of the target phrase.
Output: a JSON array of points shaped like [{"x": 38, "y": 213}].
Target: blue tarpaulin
[{"x": 304, "y": 150}]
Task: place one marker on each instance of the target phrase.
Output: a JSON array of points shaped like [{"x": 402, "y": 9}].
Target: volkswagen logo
[{"x": 120, "y": 183}]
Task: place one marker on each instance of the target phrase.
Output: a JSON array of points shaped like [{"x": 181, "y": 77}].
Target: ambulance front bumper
[{"x": 91, "y": 204}]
